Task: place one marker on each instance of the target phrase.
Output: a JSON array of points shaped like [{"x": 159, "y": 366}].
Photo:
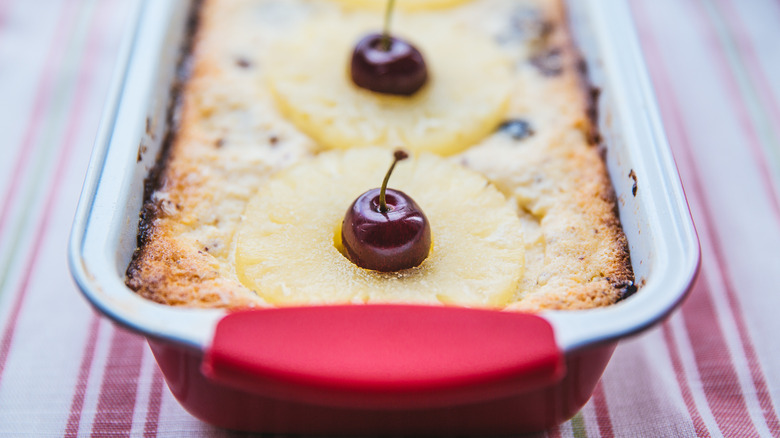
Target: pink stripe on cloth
[
  {"x": 730, "y": 86},
  {"x": 155, "y": 403},
  {"x": 118, "y": 391},
  {"x": 63, "y": 161},
  {"x": 756, "y": 373},
  {"x": 5, "y": 6},
  {"x": 748, "y": 52},
  {"x": 715, "y": 364},
  {"x": 705, "y": 333},
  {"x": 72, "y": 429},
  {"x": 682, "y": 381},
  {"x": 711, "y": 352},
  {"x": 695, "y": 187},
  {"x": 42, "y": 101},
  {"x": 716, "y": 368},
  {"x": 707, "y": 325}
]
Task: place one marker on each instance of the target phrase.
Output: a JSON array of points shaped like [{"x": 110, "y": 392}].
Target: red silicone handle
[{"x": 383, "y": 356}]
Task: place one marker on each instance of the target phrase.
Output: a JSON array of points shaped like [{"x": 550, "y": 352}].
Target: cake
[{"x": 507, "y": 106}]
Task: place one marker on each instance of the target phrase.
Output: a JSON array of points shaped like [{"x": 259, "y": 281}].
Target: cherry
[
  {"x": 386, "y": 64},
  {"x": 385, "y": 230},
  {"x": 398, "y": 69}
]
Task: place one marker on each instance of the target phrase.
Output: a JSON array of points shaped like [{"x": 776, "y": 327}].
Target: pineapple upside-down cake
[{"x": 273, "y": 141}]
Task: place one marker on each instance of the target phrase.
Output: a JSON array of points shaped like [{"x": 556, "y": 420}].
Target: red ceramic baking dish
[{"x": 390, "y": 369}]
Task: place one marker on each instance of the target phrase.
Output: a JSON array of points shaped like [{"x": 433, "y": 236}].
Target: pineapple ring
[
  {"x": 464, "y": 100},
  {"x": 287, "y": 244},
  {"x": 406, "y": 5}
]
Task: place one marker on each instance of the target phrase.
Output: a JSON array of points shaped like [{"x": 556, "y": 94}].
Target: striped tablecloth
[{"x": 712, "y": 369}]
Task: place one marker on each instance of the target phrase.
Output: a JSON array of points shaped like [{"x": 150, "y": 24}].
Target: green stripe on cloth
[{"x": 578, "y": 426}]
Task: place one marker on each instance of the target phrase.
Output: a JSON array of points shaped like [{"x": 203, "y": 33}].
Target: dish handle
[{"x": 383, "y": 356}]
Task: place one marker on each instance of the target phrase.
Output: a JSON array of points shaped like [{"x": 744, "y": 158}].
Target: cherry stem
[
  {"x": 397, "y": 156},
  {"x": 386, "y": 31}
]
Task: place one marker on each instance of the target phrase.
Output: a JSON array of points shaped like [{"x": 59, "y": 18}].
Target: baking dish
[{"x": 384, "y": 368}]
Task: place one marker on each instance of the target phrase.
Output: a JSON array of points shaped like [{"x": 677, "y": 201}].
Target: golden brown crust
[
  {"x": 172, "y": 274},
  {"x": 576, "y": 253}
]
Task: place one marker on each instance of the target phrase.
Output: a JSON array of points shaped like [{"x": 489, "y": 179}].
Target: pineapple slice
[
  {"x": 289, "y": 251},
  {"x": 464, "y": 100},
  {"x": 406, "y": 5}
]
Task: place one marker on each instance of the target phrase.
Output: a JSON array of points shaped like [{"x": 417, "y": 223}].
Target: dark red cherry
[
  {"x": 388, "y": 65},
  {"x": 399, "y": 238},
  {"x": 385, "y": 230}
]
